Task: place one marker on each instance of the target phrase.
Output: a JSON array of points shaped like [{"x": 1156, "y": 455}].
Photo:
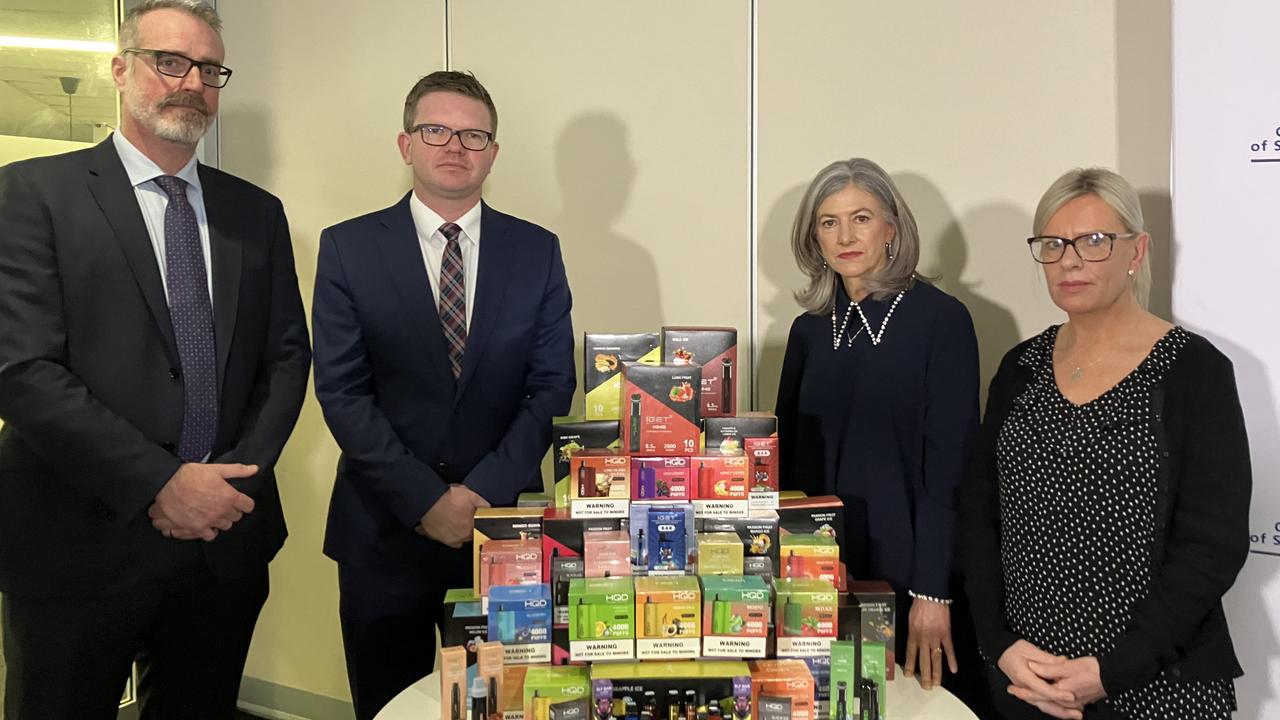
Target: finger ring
[{"x": 938, "y": 650}]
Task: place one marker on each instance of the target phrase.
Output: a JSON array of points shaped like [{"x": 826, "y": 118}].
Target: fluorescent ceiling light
[{"x": 36, "y": 43}]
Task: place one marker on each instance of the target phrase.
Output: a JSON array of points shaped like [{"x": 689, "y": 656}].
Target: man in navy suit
[{"x": 443, "y": 348}]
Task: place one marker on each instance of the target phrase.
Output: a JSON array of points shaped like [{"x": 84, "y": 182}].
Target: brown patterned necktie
[{"x": 453, "y": 297}]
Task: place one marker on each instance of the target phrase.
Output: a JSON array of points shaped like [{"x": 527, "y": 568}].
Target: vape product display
[
  {"x": 453, "y": 682},
  {"x": 663, "y": 413},
  {"x": 762, "y": 454},
  {"x": 603, "y": 356},
  {"x": 877, "y": 603},
  {"x": 783, "y": 680},
  {"x": 773, "y": 708},
  {"x": 568, "y": 436},
  {"x": 735, "y": 616},
  {"x": 602, "y": 619},
  {"x": 508, "y": 562},
  {"x": 662, "y": 537},
  {"x": 546, "y": 688},
  {"x": 820, "y": 669},
  {"x": 728, "y": 433},
  {"x": 489, "y": 671},
  {"x": 716, "y": 350},
  {"x": 719, "y": 553},
  {"x": 758, "y": 533},
  {"x": 668, "y": 617},
  {"x": 607, "y": 554},
  {"x": 811, "y": 556},
  {"x": 599, "y": 474},
  {"x": 563, "y": 535},
  {"x": 820, "y": 515},
  {"x": 563, "y": 569},
  {"x": 511, "y": 699},
  {"x": 465, "y": 625},
  {"x": 804, "y": 616},
  {"x": 846, "y": 677},
  {"x": 479, "y": 696},
  {"x": 720, "y": 476},
  {"x": 875, "y": 671},
  {"x": 664, "y": 690},
  {"x": 520, "y": 619},
  {"x": 667, "y": 479}
]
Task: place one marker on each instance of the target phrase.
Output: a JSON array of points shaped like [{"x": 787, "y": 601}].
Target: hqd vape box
[
  {"x": 602, "y": 619},
  {"x": 668, "y": 617},
  {"x": 513, "y": 561},
  {"x": 735, "y": 616},
  {"x": 662, "y": 479},
  {"x": 603, "y": 356},
  {"x": 782, "y": 689},
  {"x": 811, "y": 556},
  {"x": 716, "y": 350},
  {"x": 804, "y": 616},
  {"x": 660, "y": 409},
  {"x": 759, "y": 535},
  {"x": 551, "y": 689},
  {"x": 568, "y": 436},
  {"x": 600, "y": 483},
  {"x": 520, "y": 619},
  {"x": 719, "y": 553}
]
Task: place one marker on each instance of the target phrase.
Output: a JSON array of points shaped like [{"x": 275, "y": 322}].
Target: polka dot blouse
[{"x": 1077, "y": 518}]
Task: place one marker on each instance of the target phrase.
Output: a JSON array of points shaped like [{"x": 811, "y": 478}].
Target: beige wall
[{"x": 626, "y": 127}]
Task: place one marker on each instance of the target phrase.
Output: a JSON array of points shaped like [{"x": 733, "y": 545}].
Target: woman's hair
[
  {"x": 869, "y": 177},
  {"x": 1116, "y": 192}
]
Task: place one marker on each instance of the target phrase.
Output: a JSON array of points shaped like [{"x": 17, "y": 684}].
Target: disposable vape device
[
  {"x": 479, "y": 698},
  {"x": 650, "y": 617},
  {"x": 587, "y": 481},
  {"x": 635, "y": 423},
  {"x": 791, "y": 618},
  {"x": 720, "y": 612},
  {"x": 713, "y": 710},
  {"x": 673, "y": 704},
  {"x": 706, "y": 481},
  {"x": 629, "y": 708},
  {"x": 726, "y": 385},
  {"x": 506, "y": 627},
  {"x": 570, "y": 710},
  {"x": 795, "y": 565},
  {"x": 583, "y": 618},
  {"x": 541, "y": 707},
  {"x": 774, "y": 708},
  {"x": 870, "y": 700},
  {"x": 842, "y": 706},
  {"x": 455, "y": 704},
  {"x": 492, "y": 705},
  {"x": 641, "y": 556},
  {"x": 691, "y": 705},
  {"x": 648, "y": 485},
  {"x": 453, "y": 680},
  {"x": 650, "y": 707}
]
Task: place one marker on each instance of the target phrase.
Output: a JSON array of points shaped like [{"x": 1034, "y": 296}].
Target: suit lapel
[
  {"x": 114, "y": 194},
  {"x": 408, "y": 273},
  {"x": 226, "y": 233},
  {"x": 491, "y": 286}
]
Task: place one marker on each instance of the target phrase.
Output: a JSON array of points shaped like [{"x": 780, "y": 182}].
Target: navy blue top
[{"x": 885, "y": 427}]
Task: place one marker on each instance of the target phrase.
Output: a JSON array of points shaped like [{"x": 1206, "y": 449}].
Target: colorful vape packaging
[
  {"x": 779, "y": 680},
  {"x": 662, "y": 537},
  {"x": 811, "y": 556},
  {"x": 663, "y": 479},
  {"x": 876, "y": 670},
  {"x": 547, "y": 687},
  {"x": 661, "y": 412},
  {"x": 511, "y": 701},
  {"x": 735, "y": 616},
  {"x": 602, "y": 616},
  {"x": 489, "y": 670},
  {"x": 520, "y": 619},
  {"x": 508, "y": 562},
  {"x": 820, "y": 515},
  {"x": 465, "y": 625},
  {"x": 453, "y": 683},
  {"x": 603, "y": 356},
  {"x": 704, "y": 689},
  {"x": 846, "y": 678},
  {"x": 568, "y": 436},
  {"x": 877, "y": 603},
  {"x": 762, "y": 454},
  {"x": 668, "y": 617},
  {"x": 804, "y": 616},
  {"x": 599, "y": 474},
  {"x": 719, "y": 553},
  {"x": 562, "y": 535},
  {"x": 759, "y": 535},
  {"x": 716, "y": 350},
  {"x": 720, "y": 476},
  {"x": 607, "y": 554},
  {"x": 820, "y": 669},
  {"x": 563, "y": 569},
  {"x": 728, "y": 433},
  {"x": 773, "y": 707}
]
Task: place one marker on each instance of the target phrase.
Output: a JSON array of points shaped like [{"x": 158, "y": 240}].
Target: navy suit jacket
[{"x": 406, "y": 428}]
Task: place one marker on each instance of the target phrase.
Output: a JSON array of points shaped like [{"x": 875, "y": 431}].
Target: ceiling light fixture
[{"x": 37, "y": 43}]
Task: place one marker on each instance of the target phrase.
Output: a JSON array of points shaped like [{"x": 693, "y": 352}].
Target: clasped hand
[
  {"x": 451, "y": 520},
  {"x": 199, "y": 501},
  {"x": 1053, "y": 684}
]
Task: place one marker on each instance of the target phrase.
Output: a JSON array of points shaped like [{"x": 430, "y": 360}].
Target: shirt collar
[
  {"x": 428, "y": 221},
  {"x": 141, "y": 168}
]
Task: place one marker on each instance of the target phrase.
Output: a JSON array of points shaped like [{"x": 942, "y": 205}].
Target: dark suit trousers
[
  {"x": 389, "y": 618},
  {"x": 188, "y": 630}
]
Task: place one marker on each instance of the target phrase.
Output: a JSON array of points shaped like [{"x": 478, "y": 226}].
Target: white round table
[{"x": 907, "y": 701}]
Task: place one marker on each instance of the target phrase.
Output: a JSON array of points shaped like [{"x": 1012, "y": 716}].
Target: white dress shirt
[
  {"x": 153, "y": 200},
  {"x": 432, "y": 242}
]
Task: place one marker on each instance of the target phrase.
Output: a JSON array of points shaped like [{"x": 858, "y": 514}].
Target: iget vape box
[
  {"x": 877, "y": 668},
  {"x": 719, "y": 553},
  {"x": 520, "y": 619},
  {"x": 508, "y": 562},
  {"x": 662, "y": 479},
  {"x": 568, "y": 436},
  {"x": 846, "y": 677},
  {"x": 716, "y": 350},
  {"x": 662, "y": 538},
  {"x": 686, "y": 689},
  {"x": 783, "y": 682},
  {"x": 735, "y": 616},
  {"x": 660, "y": 410},
  {"x": 759, "y": 535},
  {"x": 556, "y": 687},
  {"x": 877, "y": 603},
  {"x": 811, "y": 556},
  {"x": 489, "y": 668},
  {"x": 603, "y": 356},
  {"x": 602, "y": 619},
  {"x": 453, "y": 683},
  {"x": 668, "y": 617},
  {"x": 762, "y": 454},
  {"x": 506, "y": 524},
  {"x": 804, "y": 616},
  {"x": 728, "y": 433},
  {"x": 607, "y": 554}
]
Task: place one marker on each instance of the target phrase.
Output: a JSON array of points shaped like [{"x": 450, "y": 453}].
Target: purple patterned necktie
[
  {"x": 453, "y": 297},
  {"x": 192, "y": 316}
]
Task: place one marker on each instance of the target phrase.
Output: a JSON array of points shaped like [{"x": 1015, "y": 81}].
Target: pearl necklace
[
  {"x": 875, "y": 338},
  {"x": 836, "y": 335}
]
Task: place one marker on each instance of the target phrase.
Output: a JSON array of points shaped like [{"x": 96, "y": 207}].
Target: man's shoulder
[
  {"x": 513, "y": 226},
  {"x": 221, "y": 181},
  {"x": 50, "y": 166}
]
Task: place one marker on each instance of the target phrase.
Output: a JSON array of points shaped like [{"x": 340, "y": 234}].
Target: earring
[
  {"x": 1131, "y": 273},
  {"x": 888, "y": 250}
]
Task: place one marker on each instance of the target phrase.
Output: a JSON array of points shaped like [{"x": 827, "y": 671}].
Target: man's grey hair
[{"x": 197, "y": 9}]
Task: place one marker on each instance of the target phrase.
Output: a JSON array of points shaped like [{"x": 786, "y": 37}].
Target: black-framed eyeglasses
[
  {"x": 1091, "y": 247},
  {"x": 440, "y": 135},
  {"x": 177, "y": 65}
]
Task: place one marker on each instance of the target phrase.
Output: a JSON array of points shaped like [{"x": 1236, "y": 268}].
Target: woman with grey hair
[
  {"x": 878, "y": 398},
  {"x": 1106, "y": 511}
]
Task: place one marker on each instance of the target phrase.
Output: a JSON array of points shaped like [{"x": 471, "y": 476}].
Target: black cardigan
[{"x": 1202, "y": 514}]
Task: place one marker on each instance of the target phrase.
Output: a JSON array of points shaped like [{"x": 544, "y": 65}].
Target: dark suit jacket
[
  {"x": 406, "y": 428},
  {"x": 90, "y": 388}
]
